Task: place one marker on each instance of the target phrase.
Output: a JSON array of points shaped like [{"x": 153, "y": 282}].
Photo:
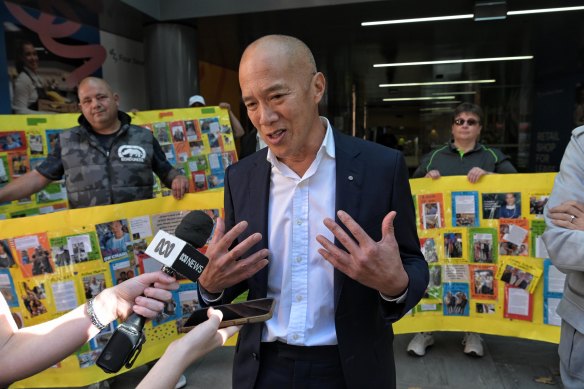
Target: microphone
[{"x": 178, "y": 253}]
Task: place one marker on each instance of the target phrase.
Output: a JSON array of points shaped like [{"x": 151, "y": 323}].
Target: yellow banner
[
  {"x": 488, "y": 266},
  {"x": 62, "y": 259}
]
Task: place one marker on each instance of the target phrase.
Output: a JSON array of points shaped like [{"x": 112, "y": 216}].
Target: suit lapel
[
  {"x": 349, "y": 176},
  {"x": 258, "y": 193}
]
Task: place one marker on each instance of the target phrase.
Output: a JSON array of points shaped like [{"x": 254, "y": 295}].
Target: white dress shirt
[{"x": 299, "y": 278}]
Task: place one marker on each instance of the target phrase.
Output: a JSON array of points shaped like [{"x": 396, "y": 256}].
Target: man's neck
[
  {"x": 464, "y": 146},
  {"x": 110, "y": 129}
]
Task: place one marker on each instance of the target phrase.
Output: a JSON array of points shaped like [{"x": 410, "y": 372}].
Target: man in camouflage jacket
[{"x": 104, "y": 160}]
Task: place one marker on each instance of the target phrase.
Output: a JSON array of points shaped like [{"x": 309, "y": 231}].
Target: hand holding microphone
[{"x": 177, "y": 255}]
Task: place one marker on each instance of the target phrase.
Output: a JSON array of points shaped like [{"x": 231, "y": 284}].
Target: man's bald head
[
  {"x": 298, "y": 56},
  {"x": 95, "y": 81}
]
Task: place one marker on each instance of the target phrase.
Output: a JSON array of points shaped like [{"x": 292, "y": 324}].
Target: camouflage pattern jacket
[{"x": 96, "y": 176}]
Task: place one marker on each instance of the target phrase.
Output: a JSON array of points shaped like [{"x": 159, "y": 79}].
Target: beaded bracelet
[{"x": 91, "y": 313}]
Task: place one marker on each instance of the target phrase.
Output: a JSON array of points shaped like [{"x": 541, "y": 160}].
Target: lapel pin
[{"x": 350, "y": 178}]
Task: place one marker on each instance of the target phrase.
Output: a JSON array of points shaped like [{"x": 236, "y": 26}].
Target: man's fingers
[{"x": 387, "y": 228}]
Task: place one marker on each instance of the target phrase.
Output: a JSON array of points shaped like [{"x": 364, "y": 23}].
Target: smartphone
[{"x": 251, "y": 311}]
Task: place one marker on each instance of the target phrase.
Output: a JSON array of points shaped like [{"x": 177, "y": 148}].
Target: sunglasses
[{"x": 470, "y": 122}]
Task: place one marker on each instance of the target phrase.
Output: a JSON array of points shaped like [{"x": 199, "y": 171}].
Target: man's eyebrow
[{"x": 273, "y": 88}]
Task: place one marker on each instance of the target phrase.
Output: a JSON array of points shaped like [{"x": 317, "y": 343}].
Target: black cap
[{"x": 195, "y": 228}]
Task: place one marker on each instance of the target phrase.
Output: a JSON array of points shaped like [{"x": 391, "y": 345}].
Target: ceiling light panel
[
  {"x": 438, "y": 83},
  {"x": 449, "y": 61}
]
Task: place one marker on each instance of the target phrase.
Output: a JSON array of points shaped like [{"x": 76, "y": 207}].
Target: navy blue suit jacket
[{"x": 371, "y": 180}]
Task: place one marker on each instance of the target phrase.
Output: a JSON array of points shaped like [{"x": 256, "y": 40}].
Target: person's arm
[
  {"x": 563, "y": 238},
  {"x": 238, "y": 130},
  {"x": 29, "y": 350},
  {"x": 181, "y": 353},
  {"x": 24, "y": 186},
  {"x": 168, "y": 175}
]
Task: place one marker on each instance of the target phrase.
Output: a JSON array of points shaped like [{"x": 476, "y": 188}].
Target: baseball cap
[{"x": 196, "y": 99}]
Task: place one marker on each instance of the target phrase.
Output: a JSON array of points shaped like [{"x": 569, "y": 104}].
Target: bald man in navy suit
[{"x": 322, "y": 222}]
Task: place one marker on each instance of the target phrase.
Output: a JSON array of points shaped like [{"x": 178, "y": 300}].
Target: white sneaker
[
  {"x": 473, "y": 344},
  {"x": 182, "y": 382},
  {"x": 419, "y": 343}
]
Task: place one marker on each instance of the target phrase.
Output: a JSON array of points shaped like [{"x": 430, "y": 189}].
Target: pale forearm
[
  {"x": 24, "y": 186},
  {"x": 32, "y": 349},
  {"x": 167, "y": 370}
]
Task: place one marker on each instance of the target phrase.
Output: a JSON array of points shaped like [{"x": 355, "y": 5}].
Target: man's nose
[{"x": 267, "y": 114}]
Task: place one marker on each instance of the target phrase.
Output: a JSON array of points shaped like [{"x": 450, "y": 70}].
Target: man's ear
[{"x": 319, "y": 83}]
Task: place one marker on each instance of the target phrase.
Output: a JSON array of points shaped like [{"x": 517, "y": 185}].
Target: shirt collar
[{"x": 328, "y": 144}]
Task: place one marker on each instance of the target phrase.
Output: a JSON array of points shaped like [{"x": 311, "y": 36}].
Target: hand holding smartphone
[{"x": 251, "y": 311}]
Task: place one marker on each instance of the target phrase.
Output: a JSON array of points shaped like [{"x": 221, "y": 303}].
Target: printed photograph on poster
[
  {"x": 197, "y": 147},
  {"x": 182, "y": 152},
  {"x": 93, "y": 284},
  {"x": 453, "y": 245},
  {"x": 483, "y": 245},
  {"x": 88, "y": 359},
  {"x": 169, "y": 152},
  {"x": 6, "y": 257},
  {"x": 501, "y": 205},
  {"x": 456, "y": 299},
  {"x": 229, "y": 158},
  {"x": 35, "y": 162},
  {"x": 138, "y": 250},
  {"x": 160, "y": 131},
  {"x": 209, "y": 125},
  {"x": 513, "y": 237},
  {"x": 519, "y": 273},
  {"x": 178, "y": 131},
  {"x": 200, "y": 180},
  {"x": 122, "y": 270},
  {"x": 518, "y": 304},
  {"x": 465, "y": 209},
  {"x": 537, "y": 203},
  {"x": 227, "y": 142},
  {"x": 33, "y": 256},
  {"x": 538, "y": 248},
  {"x": 4, "y": 171},
  {"x": 32, "y": 297},
  {"x": 428, "y": 247},
  {"x": 484, "y": 284},
  {"x": 35, "y": 144},
  {"x": 73, "y": 249},
  {"x": 192, "y": 132},
  {"x": 482, "y": 308},
  {"x": 434, "y": 289},
  {"x": 198, "y": 163},
  {"x": 215, "y": 180},
  {"x": 52, "y": 136},
  {"x": 12, "y": 141},
  {"x": 188, "y": 302},
  {"x": 215, "y": 142},
  {"x": 431, "y": 208},
  {"x": 18, "y": 163},
  {"x": 114, "y": 238},
  {"x": 7, "y": 288}
]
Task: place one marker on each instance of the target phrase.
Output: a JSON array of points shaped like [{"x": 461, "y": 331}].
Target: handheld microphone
[{"x": 178, "y": 254}]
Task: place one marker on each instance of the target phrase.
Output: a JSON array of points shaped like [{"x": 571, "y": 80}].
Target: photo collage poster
[
  {"x": 485, "y": 253},
  {"x": 46, "y": 274},
  {"x": 198, "y": 142}
]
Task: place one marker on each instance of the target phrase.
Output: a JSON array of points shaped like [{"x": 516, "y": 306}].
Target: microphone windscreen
[{"x": 195, "y": 228}]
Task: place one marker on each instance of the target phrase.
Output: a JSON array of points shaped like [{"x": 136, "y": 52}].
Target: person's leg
[
  {"x": 571, "y": 352},
  {"x": 419, "y": 343}
]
